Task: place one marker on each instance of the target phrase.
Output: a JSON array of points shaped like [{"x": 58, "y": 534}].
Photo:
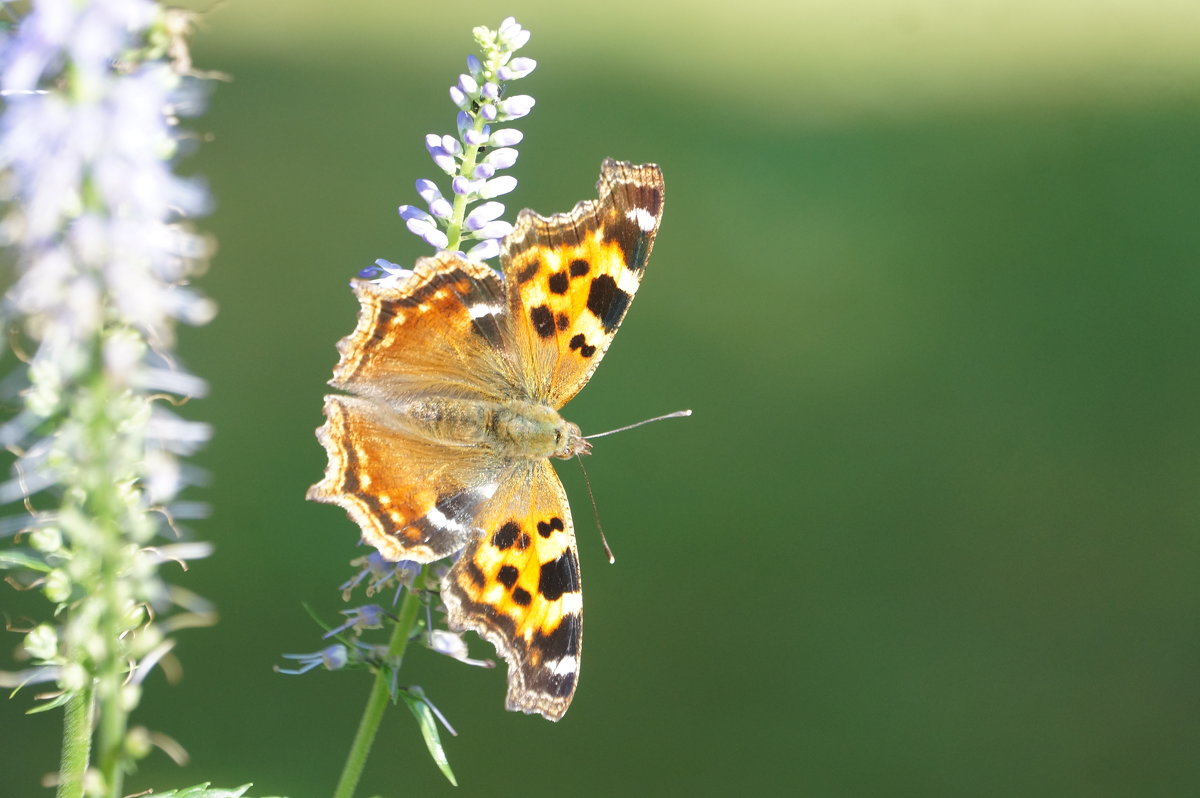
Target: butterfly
[{"x": 454, "y": 377}]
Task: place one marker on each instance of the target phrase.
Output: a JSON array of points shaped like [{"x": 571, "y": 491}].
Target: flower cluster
[
  {"x": 473, "y": 159},
  {"x": 95, "y": 217},
  {"x": 375, "y": 575}
]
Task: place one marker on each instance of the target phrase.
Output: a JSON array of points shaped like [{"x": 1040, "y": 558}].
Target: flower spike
[{"x": 473, "y": 159}]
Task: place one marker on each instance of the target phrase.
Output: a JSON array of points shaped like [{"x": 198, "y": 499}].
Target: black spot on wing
[
  {"x": 607, "y": 302},
  {"x": 506, "y": 535},
  {"x": 559, "y": 282},
  {"x": 579, "y": 342},
  {"x": 555, "y": 524},
  {"x": 522, "y": 597},
  {"x": 562, "y": 321},
  {"x": 558, "y": 577},
  {"x": 527, "y": 272},
  {"x": 578, "y": 267},
  {"x": 474, "y": 573},
  {"x": 507, "y": 575},
  {"x": 543, "y": 321}
]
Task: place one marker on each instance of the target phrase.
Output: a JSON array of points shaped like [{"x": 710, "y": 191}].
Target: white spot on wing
[
  {"x": 642, "y": 218},
  {"x": 488, "y": 490},
  {"x": 481, "y": 310},
  {"x": 564, "y": 666},
  {"x": 443, "y": 521},
  {"x": 628, "y": 281}
]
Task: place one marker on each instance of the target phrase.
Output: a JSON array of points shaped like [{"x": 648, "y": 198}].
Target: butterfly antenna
[
  {"x": 676, "y": 414},
  {"x": 595, "y": 509}
]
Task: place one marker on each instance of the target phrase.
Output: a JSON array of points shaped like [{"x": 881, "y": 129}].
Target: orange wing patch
[
  {"x": 571, "y": 277},
  {"x": 413, "y": 499},
  {"x": 441, "y": 327}
]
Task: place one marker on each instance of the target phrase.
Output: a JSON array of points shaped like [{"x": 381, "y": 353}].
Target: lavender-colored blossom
[
  {"x": 516, "y": 107},
  {"x": 359, "y": 619},
  {"x": 512, "y": 35},
  {"x": 98, "y": 225},
  {"x": 376, "y": 570},
  {"x": 483, "y": 214},
  {"x": 475, "y": 138},
  {"x": 498, "y": 186},
  {"x": 438, "y": 205},
  {"x": 485, "y": 250},
  {"x": 411, "y": 212},
  {"x": 428, "y": 232},
  {"x": 451, "y": 644},
  {"x": 506, "y": 137},
  {"x": 331, "y": 658},
  {"x": 502, "y": 158},
  {"x": 497, "y": 230},
  {"x": 517, "y": 68},
  {"x": 463, "y": 186},
  {"x": 479, "y": 96}
]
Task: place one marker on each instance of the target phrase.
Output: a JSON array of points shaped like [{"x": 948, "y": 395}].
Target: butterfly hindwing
[
  {"x": 414, "y": 499},
  {"x": 517, "y": 585},
  {"x": 571, "y": 277}
]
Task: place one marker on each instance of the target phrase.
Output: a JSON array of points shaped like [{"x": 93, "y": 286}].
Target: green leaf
[
  {"x": 204, "y": 791},
  {"x": 15, "y": 559},
  {"x": 429, "y": 731},
  {"x": 53, "y": 703}
]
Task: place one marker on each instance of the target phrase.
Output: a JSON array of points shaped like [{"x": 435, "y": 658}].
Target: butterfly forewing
[
  {"x": 571, "y": 277},
  {"x": 442, "y": 331}
]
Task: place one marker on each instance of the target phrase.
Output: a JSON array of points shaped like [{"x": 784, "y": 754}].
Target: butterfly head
[{"x": 570, "y": 441}]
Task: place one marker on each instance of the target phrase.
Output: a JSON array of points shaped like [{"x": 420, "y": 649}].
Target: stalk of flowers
[
  {"x": 473, "y": 159},
  {"x": 94, "y": 215},
  {"x": 468, "y": 214}
]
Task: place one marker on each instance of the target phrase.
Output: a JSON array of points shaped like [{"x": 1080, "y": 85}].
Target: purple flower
[
  {"x": 331, "y": 658},
  {"x": 498, "y": 186},
  {"x": 473, "y": 159}
]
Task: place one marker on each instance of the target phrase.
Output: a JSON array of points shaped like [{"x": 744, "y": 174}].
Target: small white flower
[{"x": 498, "y": 186}]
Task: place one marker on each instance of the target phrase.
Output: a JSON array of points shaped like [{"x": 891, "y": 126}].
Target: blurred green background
[{"x": 928, "y": 276}]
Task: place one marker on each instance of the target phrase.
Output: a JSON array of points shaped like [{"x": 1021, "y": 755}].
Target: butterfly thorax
[{"x": 513, "y": 429}]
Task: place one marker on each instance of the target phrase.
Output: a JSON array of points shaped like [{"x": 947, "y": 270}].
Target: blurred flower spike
[
  {"x": 95, "y": 221},
  {"x": 476, "y": 154}
]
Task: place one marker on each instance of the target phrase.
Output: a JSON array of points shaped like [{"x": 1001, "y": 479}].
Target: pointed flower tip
[
  {"x": 495, "y": 230},
  {"x": 484, "y": 250},
  {"x": 483, "y": 214},
  {"x": 498, "y": 186},
  {"x": 516, "y": 107},
  {"x": 411, "y": 212},
  {"x": 506, "y": 137},
  {"x": 516, "y": 69}
]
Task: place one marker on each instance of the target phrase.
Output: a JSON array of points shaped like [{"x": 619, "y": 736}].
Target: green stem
[
  {"x": 380, "y": 693},
  {"x": 459, "y": 212},
  {"x": 103, "y": 503},
  {"x": 77, "y": 744}
]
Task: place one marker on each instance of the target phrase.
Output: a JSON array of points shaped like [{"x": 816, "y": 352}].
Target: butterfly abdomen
[{"x": 515, "y": 429}]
